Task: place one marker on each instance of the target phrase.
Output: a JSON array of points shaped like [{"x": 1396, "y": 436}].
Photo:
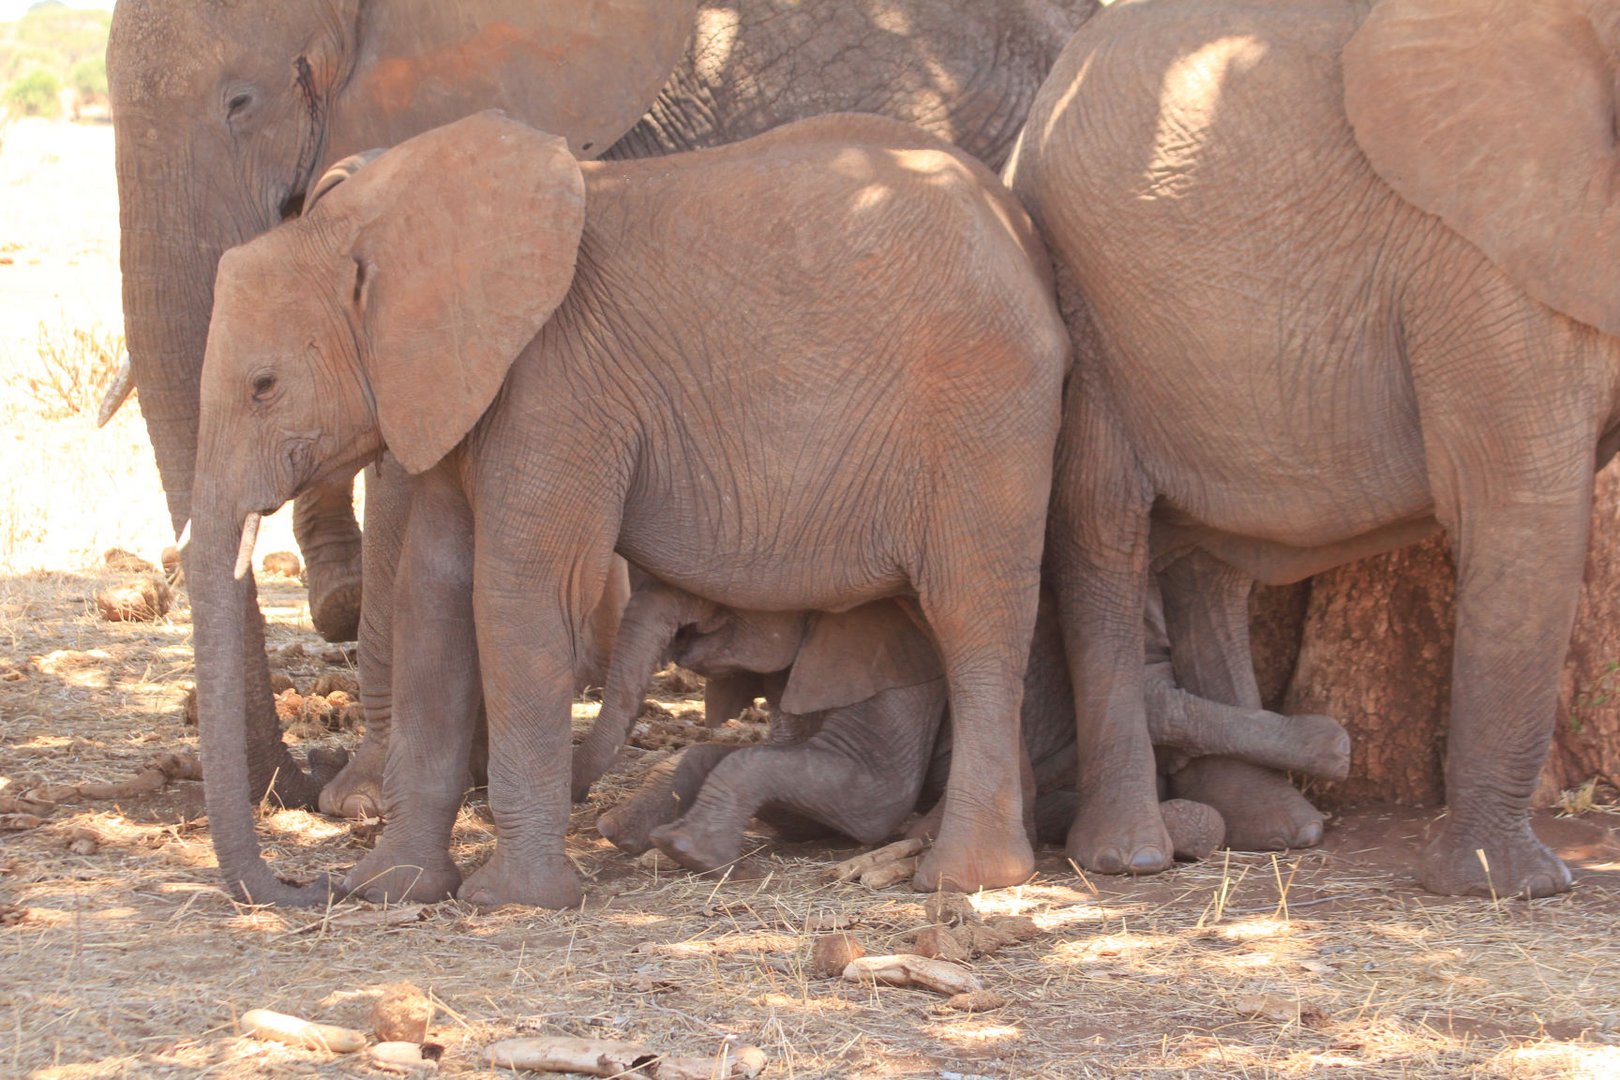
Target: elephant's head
[
  {"x": 1498, "y": 117},
  {"x": 225, "y": 113},
  {"x": 387, "y": 314}
]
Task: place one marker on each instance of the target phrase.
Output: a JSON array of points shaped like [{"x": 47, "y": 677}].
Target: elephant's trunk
[
  {"x": 168, "y": 298},
  {"x": 221, "y": 608}
]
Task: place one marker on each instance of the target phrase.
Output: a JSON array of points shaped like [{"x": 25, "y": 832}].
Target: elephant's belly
[{"x": 1273, "y": 563}]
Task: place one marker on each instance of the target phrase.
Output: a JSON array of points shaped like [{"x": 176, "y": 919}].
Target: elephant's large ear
[
  {"x": 1498, "y": 116},
  {"x": 848, "y": 657},
  {"x": 583, "y": 69},
  {"x": 463, "y": 242}
]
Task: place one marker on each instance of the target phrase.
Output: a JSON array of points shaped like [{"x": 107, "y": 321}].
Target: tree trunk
[{"x": 1370, "y": 644}]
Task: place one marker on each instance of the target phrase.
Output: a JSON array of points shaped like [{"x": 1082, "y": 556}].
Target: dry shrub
[{"x": 71, "y": 371}]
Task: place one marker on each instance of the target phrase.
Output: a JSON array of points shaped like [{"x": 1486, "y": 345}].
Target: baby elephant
[
  {"x": 805, "y": 371},
  {"x": 858, "y": 701}
]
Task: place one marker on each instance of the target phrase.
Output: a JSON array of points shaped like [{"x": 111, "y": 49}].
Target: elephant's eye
[
  {"x": 263, "y": 386},
  {"x": 237, "y": 103}
]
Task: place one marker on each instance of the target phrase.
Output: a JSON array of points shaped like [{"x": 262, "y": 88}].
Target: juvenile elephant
[
  {"x": 544, "y": 343},
  {"x": 1312, "y": 333},
  {"x": 226, "y": 115},
  {"x": 858, "y": 701}
]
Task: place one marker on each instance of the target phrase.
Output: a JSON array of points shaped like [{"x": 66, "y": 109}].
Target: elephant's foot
[
  {"x": 1455, "y": 864},
  {"x": 1195, "y": 829},
  {"x": 334, "y": 599},
  {"x": 545, "y": 883},
  {"x": 1318, "y": 746},
  {"x": 1108, "y": 837},
  {"x": 989, "y": 857},
  {"x": 927, "y": 826},
  {"x": 326, "y": 763},
  {"x": 696, "y": 847},
  {"x": 388, "y": 877},
  {"x": 1262, "y": 810},
  {"x": 356, "y": 792}
]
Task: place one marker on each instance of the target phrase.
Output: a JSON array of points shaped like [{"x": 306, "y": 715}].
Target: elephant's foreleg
[
  {"x": 1206, "y": 611},
  {"x": 650, "y": 621},
  {"x": 357, "y": 790},
  {"x": 669, "y": 789},
  {"x": 435, "y": 700},
  {"x": 324, "y": 525}
]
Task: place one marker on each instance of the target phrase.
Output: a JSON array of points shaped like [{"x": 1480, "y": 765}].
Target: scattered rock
[
  {"x": 832, "y": 953},
  {"x": 336, "y": 681},
  {"x": 974, "y": 1001},
  {"x": 146, "y": 600},
  {"x": 283, "y": 563},
  {"x": 939, "y": 943},
  {"x": 406, "y": 1057},
  {"x": 950, "y": 909},
  {"x": 126, "y": 562},
  {"x": 402, "y": 1014}
]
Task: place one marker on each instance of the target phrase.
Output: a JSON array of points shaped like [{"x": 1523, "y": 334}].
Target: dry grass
[{"x": 129, "y": 962}]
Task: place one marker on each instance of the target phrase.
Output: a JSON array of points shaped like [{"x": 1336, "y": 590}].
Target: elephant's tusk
[
  {"x": 244, "y": 554},
  {"x": 123, "y": 385},
  {"x": 184, "y": 536}
]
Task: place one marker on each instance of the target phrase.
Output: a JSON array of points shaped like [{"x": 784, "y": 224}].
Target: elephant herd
[{"x": 944, "y": 371}]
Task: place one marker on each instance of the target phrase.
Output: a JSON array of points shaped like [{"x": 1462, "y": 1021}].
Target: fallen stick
[
  {"x": 279, "y": 1027},
  {"x": 850, "y": 869},
  {"x": 593, "y": 1057},
  {"x": 908, "y": 969}
]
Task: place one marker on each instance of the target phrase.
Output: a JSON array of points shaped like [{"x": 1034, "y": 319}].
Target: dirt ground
[{"x": 125, "y": 960}]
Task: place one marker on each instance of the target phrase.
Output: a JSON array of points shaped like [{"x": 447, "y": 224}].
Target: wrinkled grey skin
[
  {"x": 225, "y": 116},
  {"x": 963, "y": 71},
  {"x": 1285, "y": 363},
  {"x": 860, "y": 766}
]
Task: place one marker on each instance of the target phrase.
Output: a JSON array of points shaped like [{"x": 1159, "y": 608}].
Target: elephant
[
  {"x": 201, "y": 169},
  {"x": 857, "y": 699},
  {"x": 544, "y": 350},
  {"x": 1312, "y": 333},
  {"x": 224, "y": 117}
]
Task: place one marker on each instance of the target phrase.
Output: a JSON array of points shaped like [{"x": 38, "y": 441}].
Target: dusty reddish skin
[
  {"x": 1330, "y": 371},
  {"x": 227, "y": 113},
  {"x": 934, "y": 367},
  {"x": 193, "y": 182},
  {"x": 858, "y": 763}
]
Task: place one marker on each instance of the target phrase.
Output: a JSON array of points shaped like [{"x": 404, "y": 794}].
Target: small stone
[
  {"x": 402, "y": 1014},
  {"x": 974, "y": 1001},
  {"x": 950, "y": 909},
  {"x": 283, "y": 563},
  {"x": 146, "y": 600},
  {"x": 938, "y": 942},
  {"x": 127, "y": 562},
  {"x": 336, "y": 682},
  {"x": 1014, "y": 927},
  {"x": 831, "y": 954}
]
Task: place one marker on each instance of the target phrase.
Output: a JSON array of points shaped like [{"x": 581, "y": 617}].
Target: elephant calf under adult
[
  {"x": 858, "y": 699},
  {"x": 1325, "y": 329},
  {"x": 809, "y": 370}
]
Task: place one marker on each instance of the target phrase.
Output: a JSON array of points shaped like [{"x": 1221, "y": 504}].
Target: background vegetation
[{"x": 54, "y": 47}]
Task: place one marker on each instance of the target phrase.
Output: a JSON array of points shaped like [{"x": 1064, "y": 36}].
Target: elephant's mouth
[{"x": 292, "y": 203}]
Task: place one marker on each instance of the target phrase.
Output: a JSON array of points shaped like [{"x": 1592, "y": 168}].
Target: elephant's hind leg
[{"x": 1206, "y": 608}]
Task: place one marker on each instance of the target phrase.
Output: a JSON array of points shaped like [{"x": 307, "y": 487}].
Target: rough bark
[{"x": 1373, "y": 649}]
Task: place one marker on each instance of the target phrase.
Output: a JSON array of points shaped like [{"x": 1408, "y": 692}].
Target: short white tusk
[
  {"x": 123, "y": 385},
  {"x": 184, "y": 537},
  {"x": 244, "y": 554}
]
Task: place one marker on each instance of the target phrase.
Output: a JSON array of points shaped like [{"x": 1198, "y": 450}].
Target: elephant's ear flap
[
  {"x": 1497, "y": 116},
  {"x": 848, "y": 657},
  {"x": 464, "y": 243}
]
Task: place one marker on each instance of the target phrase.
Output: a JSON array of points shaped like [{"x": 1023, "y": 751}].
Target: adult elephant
[
  {"x": 965, "y": 71},
  {"x": 225, "y": 116},
  {"x": 1318, "y": 332}
]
